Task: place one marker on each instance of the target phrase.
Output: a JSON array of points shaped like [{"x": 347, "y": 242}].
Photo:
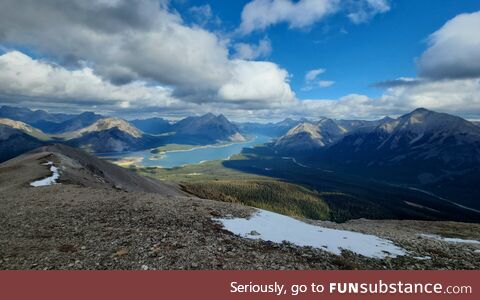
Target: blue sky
[
  {"x": 247, "y": 59},
  {"x": 354, "y": 56}
]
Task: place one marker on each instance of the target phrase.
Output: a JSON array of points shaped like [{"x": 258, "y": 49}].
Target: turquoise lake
[{"x": 178, "y": 158}]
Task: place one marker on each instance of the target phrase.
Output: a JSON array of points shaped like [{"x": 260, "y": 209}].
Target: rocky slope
[
  {"x": 109, "y": 135},
  {"x": 88, "y": 221},
  {"x": 307, "y": 137},
  {"x": 106, "y": 124},
  {"x": 25, "y": 128}
]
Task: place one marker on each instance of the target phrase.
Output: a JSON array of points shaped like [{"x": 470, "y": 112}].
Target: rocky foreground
[{"x": 92, "y": 219}]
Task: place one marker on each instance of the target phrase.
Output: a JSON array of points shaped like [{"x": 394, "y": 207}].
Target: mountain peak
[
  {"x": 208, "y": 127},
  {"x": 109, "y": 123},
  {"x": 208, "y": 116},
  {"x": 307, "y": 136},
  {"x": 306, "y": 127},
  {"x": 421, "y": 110},
  {"x": 25, "y": 128}
]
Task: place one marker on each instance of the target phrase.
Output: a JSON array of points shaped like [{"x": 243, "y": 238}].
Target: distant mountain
[
  {"x": 351, "y": 125},
  {"x": 426, "y": 148},
  {"x": 153, "y": 125},
  {"x": 15, "y": 141},
  {"x": 109, "y": 135},
  {"x": 269, "y": 129},
  {"x": 207, "y": 129},
  {"x": 25, "y": 128},
  {"x": 109, "y": 123},
  {"x": 421, "y": 135},
  {"x": 310, "y": 136},
  {"x": 281, "y": 128},
  {"x": 48, "y": 122},
  {"x": 75, "y": 123},
  {"x": 31, "y": 117}
]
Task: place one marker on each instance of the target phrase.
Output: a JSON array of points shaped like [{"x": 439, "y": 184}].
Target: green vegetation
[
  {"x": 254, "y": 177},
  {"x": 214, "y": 181},
  {"x": 277, "y": 196}
]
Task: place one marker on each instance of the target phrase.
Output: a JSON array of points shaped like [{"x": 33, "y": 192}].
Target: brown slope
[{"x": 81, "y": 168}]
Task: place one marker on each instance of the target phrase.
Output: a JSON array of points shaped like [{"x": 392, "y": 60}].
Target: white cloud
[
  {"x": 254, "y": 83},
  {"x": 137, "y": 41},
  {"x": 312, "y": 81},
  {"x": 460, "y": 97},
  {"x": 454, "y": 50},
  {"x": 203, "y": 15},
  {"x": 363, "y": 11},
  {"x": 21, "y": 75},
  {"x": 257, "y": 81},
  {"x": 325, "y": 83},
  {"x": 312, "y": 74},
  {"x": 261, "y": 14},
  {"x": 249, "y": 51},
  {"x": 162, "y": 62}
]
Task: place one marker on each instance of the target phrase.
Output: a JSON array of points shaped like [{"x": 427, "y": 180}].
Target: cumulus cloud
[
  {"x": 453, "y": 50},
  {"x": 261, "y": 14},
  {"x": 252, "y": 51},
  {"x": 257, "y": 80},
  {"x": 137, "y": 56},
  {"x": 126, "y": 41},
  {"x": 460, "y": 97},
  {"x": 20, "y": 75}
]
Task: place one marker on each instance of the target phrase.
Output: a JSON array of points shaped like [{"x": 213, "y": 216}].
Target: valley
[
  {"x": 98, "y": 216},
  {"x": 171, "y": 156},
  {"x": 214, "y": 158},
  {"x": 246, "y": 135},
  {"x": 222, "y": 174}
]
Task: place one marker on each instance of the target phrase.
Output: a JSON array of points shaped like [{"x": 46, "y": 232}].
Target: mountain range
[
  {"x": 101, "y": 134},
  {"x": 423, "y": 148},
  {"x": 308, "y": 135},
  {"x": 270, "y": 129}
]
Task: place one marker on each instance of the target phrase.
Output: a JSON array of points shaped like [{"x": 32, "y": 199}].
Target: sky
[{"x": 259, "y": 60}]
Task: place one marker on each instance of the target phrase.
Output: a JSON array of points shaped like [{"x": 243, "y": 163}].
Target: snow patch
[
  {"x": 449, "y": 240},
  {"x": 49, "y": 180},
  {"x": 277, "y": 228},
  {"x": 422, "y": 257}
]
